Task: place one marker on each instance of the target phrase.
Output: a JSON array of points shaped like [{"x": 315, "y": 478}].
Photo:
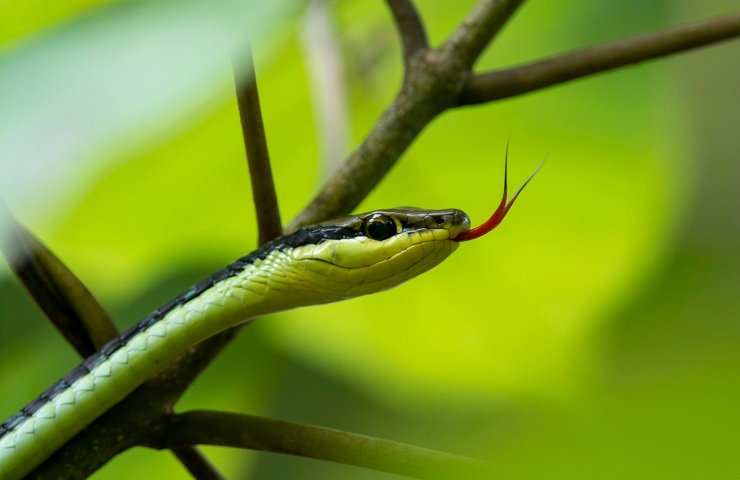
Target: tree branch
[
  {"x": 399, "y": 125},
  {"x": 410, "y": 27},
  {"x": 258, "y": 158},
  {"x": 588, "y": 61},
  {"x": 136, "y": 420},
  {"x": 258, "y": 433},
  {"x": 196, "y": 463},
  {"x": 432, "y": 84},
  {"x": 478, "y": 30}
]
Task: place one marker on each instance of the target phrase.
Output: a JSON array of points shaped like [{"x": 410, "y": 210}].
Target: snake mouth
[
  {"x": 460, "y": 224},
  {"x": 451, "y": 220}
]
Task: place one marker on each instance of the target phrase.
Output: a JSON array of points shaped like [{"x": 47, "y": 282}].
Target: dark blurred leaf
[{"x": 65, "y": 300}]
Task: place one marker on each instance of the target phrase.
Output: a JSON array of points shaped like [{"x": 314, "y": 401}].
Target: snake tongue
[{"x": 503, "y": 207}]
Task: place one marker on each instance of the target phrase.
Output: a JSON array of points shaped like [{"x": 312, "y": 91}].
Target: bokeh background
[{"x": 596, "y": 334}]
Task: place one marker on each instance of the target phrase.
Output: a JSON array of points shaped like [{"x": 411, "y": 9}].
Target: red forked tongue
[{"x": 503, "y": 207}]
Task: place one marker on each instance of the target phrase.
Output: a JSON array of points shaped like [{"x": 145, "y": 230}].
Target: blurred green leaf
[{"x": 117, "y": 79}]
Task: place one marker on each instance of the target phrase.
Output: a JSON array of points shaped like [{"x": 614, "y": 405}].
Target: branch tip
[
  {"x": 410, "y": 27},
  {"x": 541, "y": 74},
  {"x": 266, "y": 434},
  {"x": 255, "y": 143}
]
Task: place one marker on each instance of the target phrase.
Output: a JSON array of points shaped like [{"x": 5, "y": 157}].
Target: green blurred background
[{"x": 595, "y": 335}]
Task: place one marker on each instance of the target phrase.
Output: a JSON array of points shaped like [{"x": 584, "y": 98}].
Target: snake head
[{"x": 374, "y": 251}]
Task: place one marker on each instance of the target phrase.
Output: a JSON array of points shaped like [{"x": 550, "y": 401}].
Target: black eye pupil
[{"x": 380, "y": 228}]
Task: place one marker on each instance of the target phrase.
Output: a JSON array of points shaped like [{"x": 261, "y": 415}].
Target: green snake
[{"x": 328, "y": 262}]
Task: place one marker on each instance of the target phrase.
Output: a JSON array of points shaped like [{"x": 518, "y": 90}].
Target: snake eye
[{"x": 379, "y": 227}]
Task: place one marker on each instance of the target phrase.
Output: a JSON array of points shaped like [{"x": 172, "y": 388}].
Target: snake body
[{"x": 332, "y": 261}]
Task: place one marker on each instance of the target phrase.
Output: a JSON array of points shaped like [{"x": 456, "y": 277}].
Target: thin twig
[
  {"x": 588, "y": 61},
  {"x": 65, "y": 300},
  {"x": 196, "y": 463},
  {"x": 478, "y": 30},
  {"x": 259, "y": 433},
  {"x": 410, "y": 27},
  {"x": 258, "y": 158}
]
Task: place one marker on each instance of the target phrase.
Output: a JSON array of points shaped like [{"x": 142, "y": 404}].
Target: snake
[{"x": 327, "y": 262}]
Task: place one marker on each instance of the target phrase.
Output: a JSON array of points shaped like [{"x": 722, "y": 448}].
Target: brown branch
[
  {"x": 410, "y": 27},
  {"x": 258, "y": 158},
  {"x": 588, "y": 61},
  {"x": 432, "y": 84},
  {"x": 159, "y": 395},
  {"x": 65, "y": 300},
  {"x": 399, "y": 125},
  {"x": 259, "y": 433},
  {"x": 196, "y": 463},
  {"x": 478, "y": 30}
]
